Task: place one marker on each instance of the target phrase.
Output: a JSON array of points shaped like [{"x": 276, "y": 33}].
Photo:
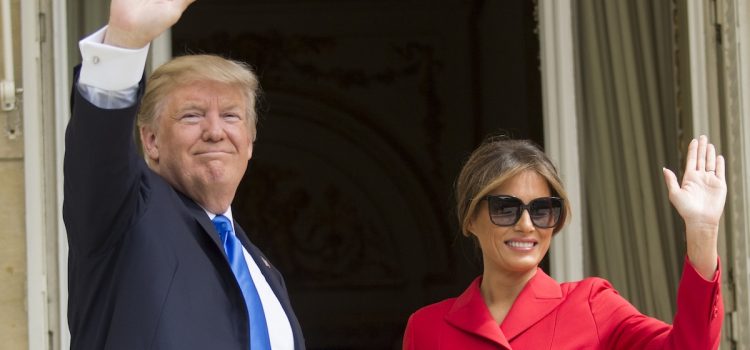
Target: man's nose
[{"x": 213, "y": 129}]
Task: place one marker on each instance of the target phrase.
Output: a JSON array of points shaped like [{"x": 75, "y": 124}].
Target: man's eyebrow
[
  {"x": 231, "y": 105},
  {"x": 189, "y": 105}
]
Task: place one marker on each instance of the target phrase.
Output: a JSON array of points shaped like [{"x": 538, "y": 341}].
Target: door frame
[{"x": 560, "y": 129}]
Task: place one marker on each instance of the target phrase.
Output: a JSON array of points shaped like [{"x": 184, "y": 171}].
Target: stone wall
[{"x": 13, "y": 320}]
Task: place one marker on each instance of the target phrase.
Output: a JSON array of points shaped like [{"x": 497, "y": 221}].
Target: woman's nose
[{"x": 524, "y": 223}]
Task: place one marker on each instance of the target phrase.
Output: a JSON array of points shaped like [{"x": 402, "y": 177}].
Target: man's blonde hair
[{"x": 189, "y": 69}]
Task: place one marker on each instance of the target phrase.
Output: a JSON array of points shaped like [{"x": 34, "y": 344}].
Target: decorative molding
[
  {"x": 735, "y": 47},
  {"x": 318, "y": 239},
  {"x": 276, "y": 56},
  {"x": 280, "y": 59}
]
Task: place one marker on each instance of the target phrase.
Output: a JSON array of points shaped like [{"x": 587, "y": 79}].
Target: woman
[{"x": 510, "y": 199}]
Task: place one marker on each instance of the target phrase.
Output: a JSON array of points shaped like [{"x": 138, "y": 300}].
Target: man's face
[{"x": 202, "y": 142}]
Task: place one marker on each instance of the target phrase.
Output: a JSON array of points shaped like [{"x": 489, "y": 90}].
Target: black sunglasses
[{"x": 544, "y": 212}]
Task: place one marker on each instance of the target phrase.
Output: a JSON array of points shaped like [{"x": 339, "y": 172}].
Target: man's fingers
[{"x": 134, "y": 24}]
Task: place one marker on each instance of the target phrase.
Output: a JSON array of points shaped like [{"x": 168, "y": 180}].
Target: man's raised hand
[{"x": 135, "y": 23}]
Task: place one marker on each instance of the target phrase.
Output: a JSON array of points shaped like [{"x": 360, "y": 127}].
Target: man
[{"x": 156, "y": 261}]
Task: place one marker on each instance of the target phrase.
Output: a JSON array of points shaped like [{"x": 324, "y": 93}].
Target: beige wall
[{"x": 13, "y": 321}]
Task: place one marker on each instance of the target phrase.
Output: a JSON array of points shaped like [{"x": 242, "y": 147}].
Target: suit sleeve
[
  {"x": 102, "y": 169},
  {"x": 697, "y": 322}
]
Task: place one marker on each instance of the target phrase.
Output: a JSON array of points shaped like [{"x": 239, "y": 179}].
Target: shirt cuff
[{"x": 109, "y": 67}]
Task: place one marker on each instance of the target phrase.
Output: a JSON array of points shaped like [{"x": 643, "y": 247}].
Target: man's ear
[{"x": 150, "y": 146}]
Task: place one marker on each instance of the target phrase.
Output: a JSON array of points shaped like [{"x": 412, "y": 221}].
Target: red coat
[{"x": 588, "y": 314}]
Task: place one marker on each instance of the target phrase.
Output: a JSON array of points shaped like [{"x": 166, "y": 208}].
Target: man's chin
[{"x": 218, "y": 183}]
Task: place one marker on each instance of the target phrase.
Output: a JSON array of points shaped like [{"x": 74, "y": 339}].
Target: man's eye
[
  {"x": 232, "y": 116},
  {"x": 190, "y": 118}
]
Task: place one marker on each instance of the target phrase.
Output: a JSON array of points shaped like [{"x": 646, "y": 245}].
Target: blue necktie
[{"x": 258, "y": 328}]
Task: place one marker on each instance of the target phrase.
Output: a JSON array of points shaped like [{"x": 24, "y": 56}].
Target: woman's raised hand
[{"x": 700, "y": 202}]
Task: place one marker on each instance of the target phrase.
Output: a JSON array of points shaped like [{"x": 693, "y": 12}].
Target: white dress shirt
[
  {"x": 279, "y": 330},
  {"x": 109, "y": 79}
]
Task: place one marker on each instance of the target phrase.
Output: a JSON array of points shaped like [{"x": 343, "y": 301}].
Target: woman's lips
[{"x": 521, "y": 244}]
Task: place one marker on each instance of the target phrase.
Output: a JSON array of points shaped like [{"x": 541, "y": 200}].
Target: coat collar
[{"x": 537, "y": 299}]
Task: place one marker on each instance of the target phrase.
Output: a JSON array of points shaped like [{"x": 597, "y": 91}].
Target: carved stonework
[
  {"x": 367, "y": 112},
  {"x": 318, "y": 233},
  {"x": 319, "y": 240},
  {"x": 277, "y": 57}
]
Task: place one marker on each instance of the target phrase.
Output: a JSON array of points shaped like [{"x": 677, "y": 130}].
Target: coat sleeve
[
  {"x": 408, "y": 342},
  {"x": 696, "y": 325},
  {"x": 102, "y": 172}
]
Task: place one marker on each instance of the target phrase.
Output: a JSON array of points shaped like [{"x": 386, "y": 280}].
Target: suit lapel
[
  {"x": 470, "y": 314},
  {"x": 537, "y": 299},
  {"x": 202, "y": 218}
]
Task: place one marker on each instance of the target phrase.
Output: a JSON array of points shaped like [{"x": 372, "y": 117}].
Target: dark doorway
[{"x": 369, "y": 109}]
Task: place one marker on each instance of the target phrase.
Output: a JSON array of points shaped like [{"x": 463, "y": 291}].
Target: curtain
[{"x": 629, "y": 120}]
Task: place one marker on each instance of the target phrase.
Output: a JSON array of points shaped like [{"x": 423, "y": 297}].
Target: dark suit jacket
[
  {"x": 588, "y": 314},
  {"x": 146, "y": 268}
]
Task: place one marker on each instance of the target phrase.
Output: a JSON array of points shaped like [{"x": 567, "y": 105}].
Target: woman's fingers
[
  {"x": 671, "y": 180},
  {"x": 701, "y": 156},
  {"x": 720, "y": 167},
  {"x": 711, "y": 158},
  {"x": 692, "y": 155}
]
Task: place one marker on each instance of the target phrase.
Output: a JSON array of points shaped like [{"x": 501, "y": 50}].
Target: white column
[
  {"x": 560, "y": 128},
  {"x": 161, "y": 50},
  {"x": 741, "y": 319},
  {"x": 61, "y": 68},
  {"x": 34, "y": 177}
]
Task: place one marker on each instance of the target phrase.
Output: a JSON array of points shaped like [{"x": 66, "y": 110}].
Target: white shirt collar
[{"x": 227, "y": 213}]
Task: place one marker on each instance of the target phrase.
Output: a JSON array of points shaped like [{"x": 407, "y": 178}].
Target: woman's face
[{"x": 519, "y": 248}]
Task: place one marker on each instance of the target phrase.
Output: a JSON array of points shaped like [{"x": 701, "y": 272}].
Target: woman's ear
[{"x": 470, "y": 228}]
